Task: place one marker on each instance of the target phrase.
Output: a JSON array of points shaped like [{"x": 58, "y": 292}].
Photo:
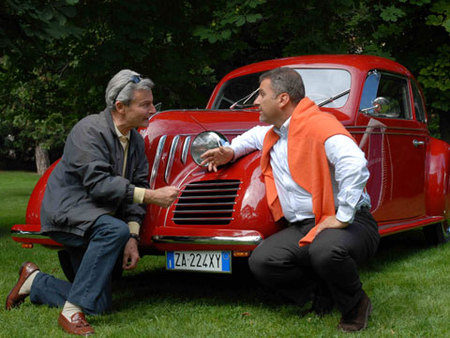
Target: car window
[
  {"x": 235, "y": 89},
  {"x": 386, "y": 95},
  {"x": 320, "y": 85},
  {"x": 419, "y": 106},
  {"x": 370, "y": 89}
]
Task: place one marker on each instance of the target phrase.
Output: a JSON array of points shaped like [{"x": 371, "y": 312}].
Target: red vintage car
[{"x": 222, "y": 215}]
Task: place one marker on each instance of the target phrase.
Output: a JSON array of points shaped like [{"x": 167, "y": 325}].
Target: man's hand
[
  {"x": 130, "y": 255},
  {"x": 217, "y": 157},
  {"x": 331, "y": 223},
  {"x": 162, "y": 197}
]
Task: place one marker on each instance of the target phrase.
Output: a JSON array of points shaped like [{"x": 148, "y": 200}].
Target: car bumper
[
  {"x": 27, "y": 234},
  {"x": 179, "y": 238}
]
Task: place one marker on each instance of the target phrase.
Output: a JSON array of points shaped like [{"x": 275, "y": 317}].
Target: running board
[{"x": 403, "y": 225}]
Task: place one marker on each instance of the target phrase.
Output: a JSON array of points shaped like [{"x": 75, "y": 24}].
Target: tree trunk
[{"x": 42, "y": 159}]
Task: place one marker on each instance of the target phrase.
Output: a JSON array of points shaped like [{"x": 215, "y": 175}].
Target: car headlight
[{"x": 205, "y": 141}]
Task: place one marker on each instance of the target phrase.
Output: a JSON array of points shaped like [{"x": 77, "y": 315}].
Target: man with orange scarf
[{"x": 315, "y": 176}]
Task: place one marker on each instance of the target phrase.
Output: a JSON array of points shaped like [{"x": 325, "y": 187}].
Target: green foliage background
[{"x": 57, "y": 56}]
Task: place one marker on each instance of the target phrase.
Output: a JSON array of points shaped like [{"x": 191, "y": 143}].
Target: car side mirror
[{"x": 382, "y": 106}]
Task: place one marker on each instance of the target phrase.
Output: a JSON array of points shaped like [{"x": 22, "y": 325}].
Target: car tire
[{"x": 438, "y": 233}]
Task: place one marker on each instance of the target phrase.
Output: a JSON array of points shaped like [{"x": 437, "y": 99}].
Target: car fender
[
  {"x": 33, "y": 215},
  {"x": 251, "y": 212},
  {"x": 437, "y": 182}
]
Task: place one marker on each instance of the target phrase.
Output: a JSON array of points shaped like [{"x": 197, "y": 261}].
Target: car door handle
[{"x": 418, "y": 143}]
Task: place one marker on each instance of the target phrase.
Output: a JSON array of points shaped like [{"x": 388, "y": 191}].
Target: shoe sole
[{"x": 368, "y": 313}]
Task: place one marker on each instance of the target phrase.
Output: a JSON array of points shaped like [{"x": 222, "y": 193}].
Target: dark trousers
[
  {"x": 330, "y": 260},
  {"x": 93, "y": 258}
]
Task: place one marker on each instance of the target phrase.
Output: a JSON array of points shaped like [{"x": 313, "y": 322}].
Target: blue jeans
[{"x": 93, "y": 258}]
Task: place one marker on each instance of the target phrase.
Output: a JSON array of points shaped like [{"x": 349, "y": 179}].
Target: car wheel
[{"x": 438, "y": 233}]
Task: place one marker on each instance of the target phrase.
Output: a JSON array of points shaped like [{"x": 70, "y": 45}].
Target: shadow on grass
[
  {"x": 159, "y": 285},
  {"x": 6, "y": 224},
  {"x": 5, "y": 231},
  {"x": 397, "y": 248}
]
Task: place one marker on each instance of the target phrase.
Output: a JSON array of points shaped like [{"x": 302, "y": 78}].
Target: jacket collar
[{"x": 106, "y": 114}]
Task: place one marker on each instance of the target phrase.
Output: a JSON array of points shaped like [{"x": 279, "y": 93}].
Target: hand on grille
[
  {"x": 217, "y": 157},
  {"x": 163, "y": 197}
]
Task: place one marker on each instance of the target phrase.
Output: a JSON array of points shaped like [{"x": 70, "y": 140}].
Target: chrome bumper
[
  {"x": 28, "y": 234},
  {"x": 219, "y": 240},
  {"x": 216, "y": 240}
]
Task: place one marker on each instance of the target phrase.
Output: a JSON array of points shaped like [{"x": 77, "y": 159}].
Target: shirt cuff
[
  {"x": 237, "y": 151},
  {"x": 134, "y": 227},
  {"x": 138, "y": 195},
  {"x": 345, "y": 214}
]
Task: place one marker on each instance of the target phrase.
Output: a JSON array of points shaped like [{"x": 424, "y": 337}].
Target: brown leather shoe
[
  {"x": 358, "y": 317},
  {"x": 14, "y": 299},
  {"x": 77, "y": 325}
]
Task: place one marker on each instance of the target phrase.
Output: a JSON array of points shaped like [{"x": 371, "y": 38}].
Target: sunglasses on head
[{"x": 134, "y": 79}]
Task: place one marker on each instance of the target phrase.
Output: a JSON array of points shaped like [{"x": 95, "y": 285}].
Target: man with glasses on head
[
  {"x": 315, "y": 176},
  {"x": 94, "y": 204}
]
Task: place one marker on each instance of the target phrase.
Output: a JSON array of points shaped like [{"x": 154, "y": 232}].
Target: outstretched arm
[
  {"x": 217, "y": 157},
  {"x": 242, "y": 145}
]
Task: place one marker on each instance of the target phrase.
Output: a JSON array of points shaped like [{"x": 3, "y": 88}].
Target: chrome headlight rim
[{"x": 204, "y": 141}]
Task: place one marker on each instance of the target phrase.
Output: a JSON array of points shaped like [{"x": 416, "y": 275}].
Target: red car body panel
[{"x": 409, "y": 184}]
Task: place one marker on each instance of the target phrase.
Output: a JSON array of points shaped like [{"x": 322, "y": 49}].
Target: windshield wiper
[
  {"x": 245, "y": 99},
  {"x": 331, "y": 99}
]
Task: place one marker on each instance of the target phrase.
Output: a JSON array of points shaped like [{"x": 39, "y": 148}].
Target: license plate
[{"x": 207, "y": 261}]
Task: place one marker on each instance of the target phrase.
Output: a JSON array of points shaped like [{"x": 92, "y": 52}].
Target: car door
[{"x": 395, "y": 145}]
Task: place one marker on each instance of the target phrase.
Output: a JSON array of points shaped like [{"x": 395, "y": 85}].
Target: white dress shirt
[{"x": 348, "y": 169}]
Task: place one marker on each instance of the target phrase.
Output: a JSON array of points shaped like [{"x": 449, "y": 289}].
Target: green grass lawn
[{"x": 408, "y": 282}]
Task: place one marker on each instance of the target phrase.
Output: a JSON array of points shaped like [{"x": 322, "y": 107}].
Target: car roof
[{"x": 355, "y": 62}]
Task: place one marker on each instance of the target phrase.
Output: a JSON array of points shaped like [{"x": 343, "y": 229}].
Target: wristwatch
[{"x": 135, "y": 236}]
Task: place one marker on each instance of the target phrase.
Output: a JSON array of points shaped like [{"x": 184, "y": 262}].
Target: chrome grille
[
  {"x": 155, "y": 167},
  {"x": 171, "y": 158},
  {"x": 207, "y": 202}
]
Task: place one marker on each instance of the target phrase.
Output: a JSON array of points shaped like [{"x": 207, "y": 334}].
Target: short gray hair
[
  {"x": 285, "y": 80},
  {"x": 123, "y": 85}
]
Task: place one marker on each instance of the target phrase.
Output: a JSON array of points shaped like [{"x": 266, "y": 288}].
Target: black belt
[{"x": 303, "y": 222}]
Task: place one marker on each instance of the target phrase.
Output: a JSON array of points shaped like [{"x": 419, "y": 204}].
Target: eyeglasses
[{"x": 134, "y": 79}]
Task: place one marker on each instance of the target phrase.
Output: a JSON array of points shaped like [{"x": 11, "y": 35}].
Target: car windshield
[{"x": 320, "y": 84}]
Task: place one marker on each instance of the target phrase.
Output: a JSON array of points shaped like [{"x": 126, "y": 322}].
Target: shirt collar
[
  {"x": 119, "y": 134},
  {"x": 283, "y": 130}
]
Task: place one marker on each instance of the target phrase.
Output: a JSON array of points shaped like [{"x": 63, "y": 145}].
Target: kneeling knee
[
  {"x": 121, "y": 231},
  {"x": 258, "y": 263}
]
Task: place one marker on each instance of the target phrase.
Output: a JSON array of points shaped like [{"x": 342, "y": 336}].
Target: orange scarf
[{"x": 308, "y": 130}]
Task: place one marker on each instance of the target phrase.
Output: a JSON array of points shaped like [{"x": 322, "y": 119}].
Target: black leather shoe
[{"x": 358, "y": 317}]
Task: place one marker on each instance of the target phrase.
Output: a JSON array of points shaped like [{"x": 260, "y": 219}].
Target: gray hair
[
  {"x": 123, "y": 85},
  {"x": 285, "y": 80}
]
